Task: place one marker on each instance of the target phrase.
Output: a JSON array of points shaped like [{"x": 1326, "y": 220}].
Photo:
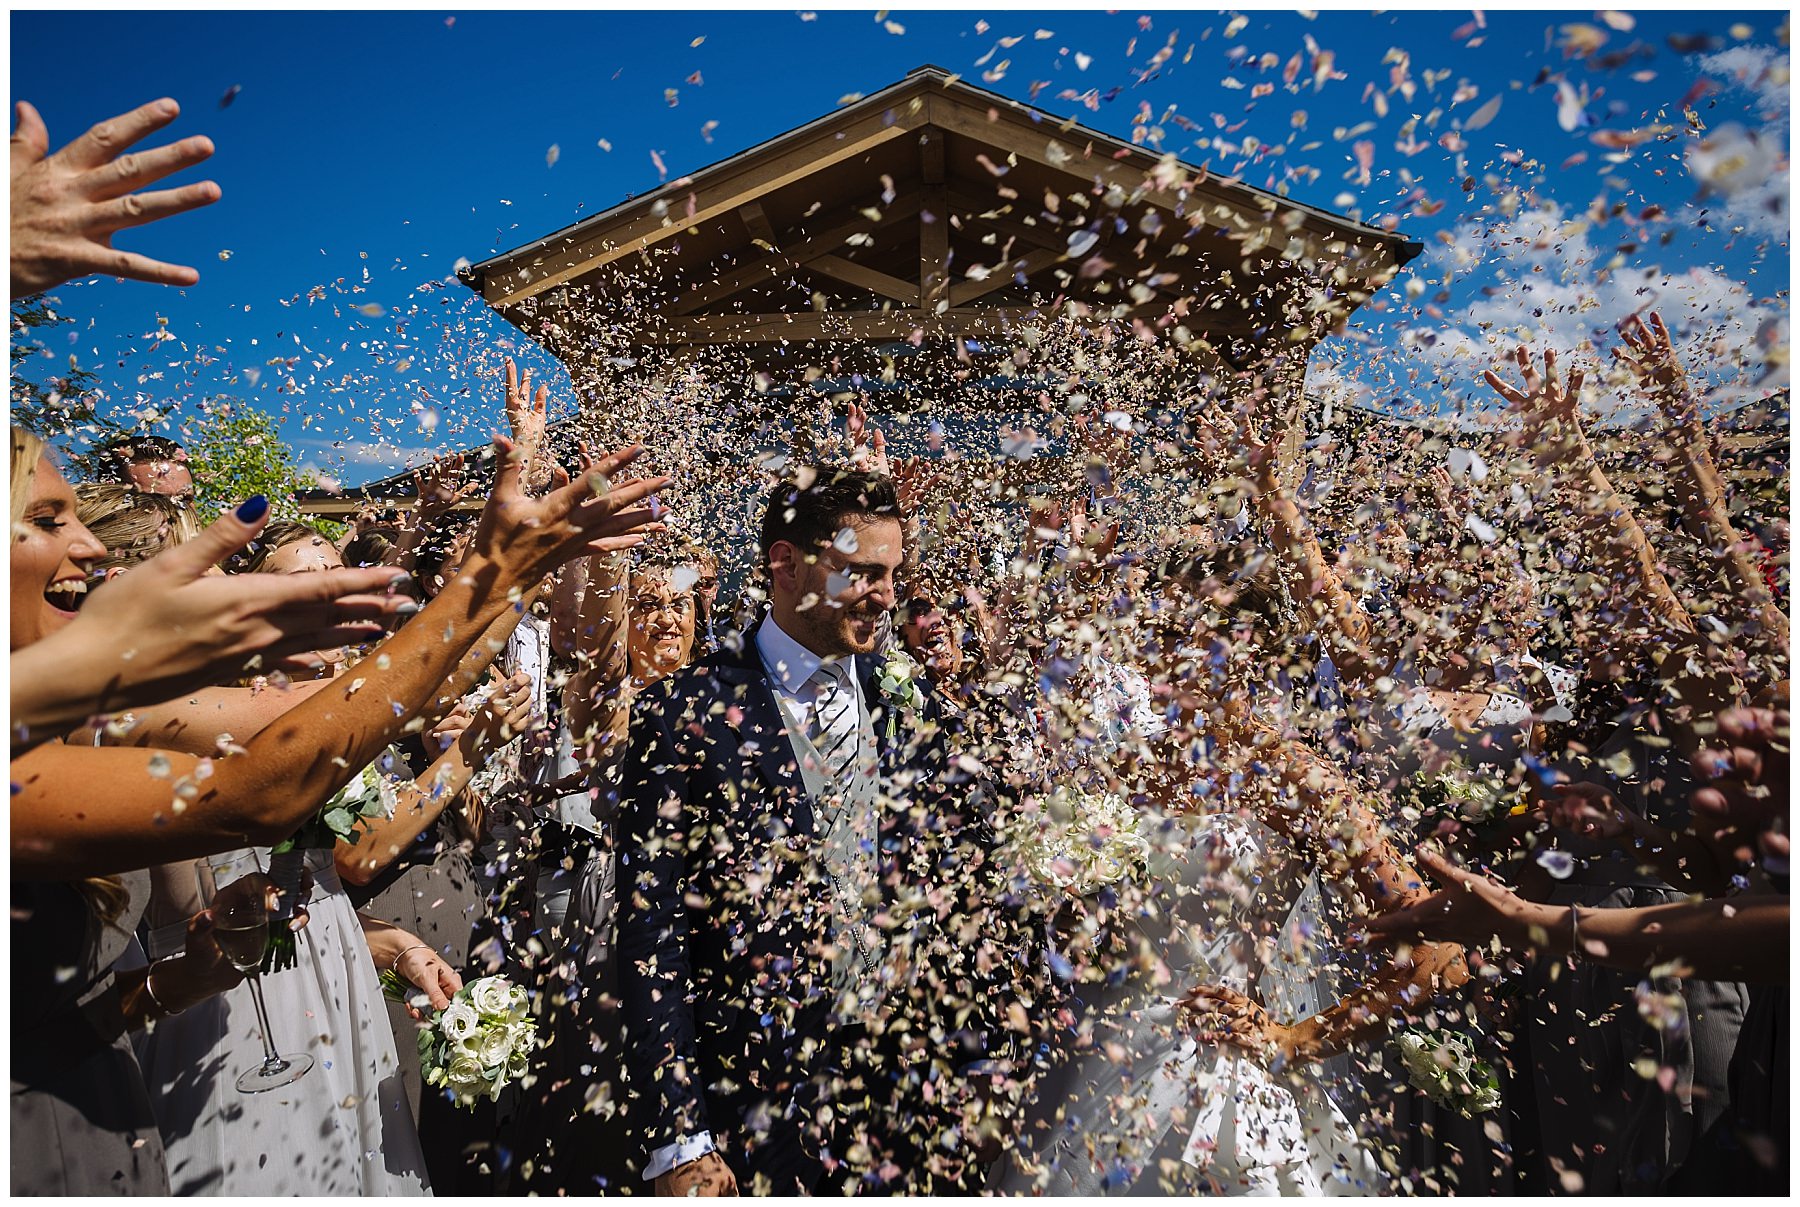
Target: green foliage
[
  {"x": 59, "y": 407},
  {"x": 237, "y": 451}
]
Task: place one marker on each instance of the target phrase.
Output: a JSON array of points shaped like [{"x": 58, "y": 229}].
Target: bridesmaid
[{"x": 81, "y": 1117}]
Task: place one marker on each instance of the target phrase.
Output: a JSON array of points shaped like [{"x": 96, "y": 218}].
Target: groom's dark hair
[{"x": 811, "y": 505}]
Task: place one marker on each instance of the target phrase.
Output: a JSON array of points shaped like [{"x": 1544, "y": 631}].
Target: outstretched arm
[
  {"x": 1705, "y": 512},
  {"x": 79, "y": 812},
  {"x": 1307, "y": 799},
  {"x": 423, "y": 800},
  {"x": 1310, "y": 578},
  {"x": 1744, "y": 938},
  {"x": 1615, "y": 540}
]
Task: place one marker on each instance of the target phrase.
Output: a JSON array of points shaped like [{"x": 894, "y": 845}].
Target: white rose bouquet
[
  {"x": 1471, "y": 795},
  {"x": 1443, "y": 1066},
  {"x": 480, "y": 1042},
  {"x": 1081, "y": 841}
]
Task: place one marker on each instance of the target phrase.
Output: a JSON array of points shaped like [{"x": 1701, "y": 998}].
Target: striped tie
[{"x": 836, "y": 726}]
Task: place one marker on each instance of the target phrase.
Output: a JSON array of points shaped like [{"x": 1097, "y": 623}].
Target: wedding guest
[
  {"x": 636, "y": 623},
  {"x": 181, "y": 625},
  {"x": 82, "y": 1122},
  {"x": 68, "y": 207},
  {"x": 153, "y": 464}
]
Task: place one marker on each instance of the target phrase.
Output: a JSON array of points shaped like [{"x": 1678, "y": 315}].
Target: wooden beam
[
  {"x": 830, "y": 325},
  {"x": 757, "y": 223},
  {"x": 934, "y": 222},
  {"x": 1256, "y": 227},
  {"x": 863, "y": 277},
  {"x": 827, "y": 241},
  {"x": 1006, "y": 274},
  {"x": 553, "y": 265}
]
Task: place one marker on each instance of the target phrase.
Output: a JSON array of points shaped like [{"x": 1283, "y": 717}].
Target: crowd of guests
[{"x": 1115, "y": 867}]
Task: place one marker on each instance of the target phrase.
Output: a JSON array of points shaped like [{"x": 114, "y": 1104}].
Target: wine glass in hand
[{"x": 241, "y": 929}]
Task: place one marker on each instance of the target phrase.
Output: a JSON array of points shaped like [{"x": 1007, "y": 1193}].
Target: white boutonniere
[{"x": 899, "y": 687}]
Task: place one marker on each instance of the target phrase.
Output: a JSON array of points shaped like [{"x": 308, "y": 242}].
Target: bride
[{"x": 1186, "y": 1067}]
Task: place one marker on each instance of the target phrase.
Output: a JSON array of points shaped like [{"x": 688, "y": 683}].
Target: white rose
[
  {"x": 458, "y": 1022},
  {"x": 517, "y": 1004},
  {"x": 524, "y": 1036},
  {"x": 493, "y": 1046},
  {"x": 464, "y": 1076},
  {"x": 489, "y": 996}
]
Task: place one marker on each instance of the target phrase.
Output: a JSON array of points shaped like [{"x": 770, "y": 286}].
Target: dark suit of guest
[{"x": 723, "y": 910}]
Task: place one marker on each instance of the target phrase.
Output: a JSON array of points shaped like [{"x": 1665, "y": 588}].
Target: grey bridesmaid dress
[{"x": 81, "y": 1116}]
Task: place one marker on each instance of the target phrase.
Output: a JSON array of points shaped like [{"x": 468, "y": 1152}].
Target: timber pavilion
[{"x": 917, "y": 237}]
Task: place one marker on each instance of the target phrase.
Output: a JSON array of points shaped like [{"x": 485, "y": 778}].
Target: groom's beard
[
  {"x": 862, "y": 628},
  {"x": 840, "y": 632}
]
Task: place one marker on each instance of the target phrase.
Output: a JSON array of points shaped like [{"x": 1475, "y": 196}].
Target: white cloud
[
  {"x": 1545, "y": 284},
  {"x": 1747, "y": 168}
]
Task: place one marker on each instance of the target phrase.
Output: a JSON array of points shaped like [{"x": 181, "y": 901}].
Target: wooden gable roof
[{"x": 934, "y": 209}]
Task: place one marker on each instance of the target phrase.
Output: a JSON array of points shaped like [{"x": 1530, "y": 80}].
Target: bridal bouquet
[
  {"x": 1081, "y": 842},
  {"x": 1444, "y": 1067},
  {"x": 480, "y": 1042},
  {"x": 1471, "y": 795}
]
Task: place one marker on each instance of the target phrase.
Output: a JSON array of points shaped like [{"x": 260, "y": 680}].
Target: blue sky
[{"x": 366, "y": 153}]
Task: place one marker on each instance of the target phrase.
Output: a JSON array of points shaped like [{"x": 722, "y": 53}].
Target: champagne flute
[{"x": 241, "y": 929}]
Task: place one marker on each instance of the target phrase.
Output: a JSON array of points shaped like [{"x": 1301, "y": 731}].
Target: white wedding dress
[
  {"x": 344, "y": 1128},
  {"x": 1136, "y": 1105}
]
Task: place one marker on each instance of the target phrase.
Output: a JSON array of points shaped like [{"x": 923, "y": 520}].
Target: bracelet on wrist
[
  {"x": 394, "y": 965},
  {"x": 150, "y": 989},
  {"x": 1575, "y": 933}
]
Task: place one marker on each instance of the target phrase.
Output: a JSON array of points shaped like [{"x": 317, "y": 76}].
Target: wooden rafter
[
  {"x": 826, "y": 242},
  {"x": 934, "y": 236},
  {"x": 555, "y": 265},
  {"x": 839, "y": 324},
  {"x": 1004, "y": 275},
  {"x": 757, "y": 223},
  {"x": 864, "y": 277}
]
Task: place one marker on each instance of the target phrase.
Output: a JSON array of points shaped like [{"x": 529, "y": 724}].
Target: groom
[{"x": 785, "y": 816}]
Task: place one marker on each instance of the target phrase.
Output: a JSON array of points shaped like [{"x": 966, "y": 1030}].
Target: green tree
[
  {"x": 236, "y": 451},
  {"x": 61, "y": 407}
]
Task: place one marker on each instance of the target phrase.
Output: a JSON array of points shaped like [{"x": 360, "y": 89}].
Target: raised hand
[
  {"x": 503, "y": 716},
  {"x": 1443, "y": 491},
  {"x": 1650, "y": 355},
  {"x": 527, "y": 537},
  {"x": 868, "y": 445},
  {"x": 528, "y": 417},
  {"x": 441, "y": 487},
  {"x": 67, "y": 207},
  {"x": 1545, "y": 403}
]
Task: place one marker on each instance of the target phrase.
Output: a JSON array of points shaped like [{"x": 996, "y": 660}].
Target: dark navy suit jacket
[{"x": 722, "y": 905}]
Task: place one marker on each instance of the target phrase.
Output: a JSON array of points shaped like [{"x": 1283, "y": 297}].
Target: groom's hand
[{"x": 707, "y": 1176}]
